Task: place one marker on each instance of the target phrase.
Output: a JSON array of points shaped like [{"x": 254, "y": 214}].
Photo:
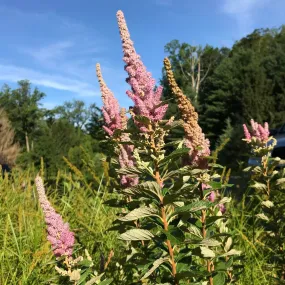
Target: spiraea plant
[
  {"x": 267, "y": 198},
  {"x": 72, "y": 270},
  {"x": 174, "y": 218},
  {"x": 8, "y": 148}
]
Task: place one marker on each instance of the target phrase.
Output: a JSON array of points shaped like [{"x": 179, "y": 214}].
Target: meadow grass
[{"x": 25, "y": 253}]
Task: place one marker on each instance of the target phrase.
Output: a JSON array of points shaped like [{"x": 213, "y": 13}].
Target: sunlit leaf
[{"x": 136, "y": 234}]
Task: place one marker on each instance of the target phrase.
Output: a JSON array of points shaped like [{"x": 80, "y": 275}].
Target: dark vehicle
[
  {"x": 278, "y": 132},
  {"x": 279, "y": 149}
]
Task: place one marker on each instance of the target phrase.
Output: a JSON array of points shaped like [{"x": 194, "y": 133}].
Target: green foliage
[
  {"x": 173, "y": 232},
  {"x": 241, "y": 83},
  {"x": 22, "y": 108}
]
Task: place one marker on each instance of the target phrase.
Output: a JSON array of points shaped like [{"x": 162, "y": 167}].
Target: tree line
[{"x": 228, "y": 87}]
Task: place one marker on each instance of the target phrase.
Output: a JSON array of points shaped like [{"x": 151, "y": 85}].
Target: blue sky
[{"x": 56, "y": 44}]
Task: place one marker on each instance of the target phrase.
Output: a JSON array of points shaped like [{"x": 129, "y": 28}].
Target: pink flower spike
[
  {"x": 246, "y": 132},
  {"x": 59, "y": 235},
  {"x": 146, "y": 98},
  {"x": 111, "y": 109},
  {"x": 258, "y": 132}
]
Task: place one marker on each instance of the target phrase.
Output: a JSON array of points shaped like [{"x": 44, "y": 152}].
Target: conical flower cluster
[
  {"x": 111, "y": 109},
  {"x": 115, "y": 118},
  {"x": 59, "y": 235},
  {"x": 258, "y": 133},
  {"x": 194, "y": 137},
  {"x": 146, "y": 98}
]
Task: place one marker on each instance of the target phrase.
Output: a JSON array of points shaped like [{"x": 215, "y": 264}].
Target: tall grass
[
  {"x": 25, "y": 254},
  {"x": 252, "y": 249}
]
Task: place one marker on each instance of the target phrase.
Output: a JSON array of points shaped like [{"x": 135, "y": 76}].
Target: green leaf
[
  {"x": 210, "y": 242},
  {"x": 168, "y": 199},
  {"x": 192, "y": 273},
  {"x": 181, "y": 171},
  {"x": 280, "y": 181},
  {"x": 156, "y": 264},
  {"x": 219, "y": 279},
  {"x": 174, "y": 235},
  {"x": 215, "y": 165},
  {"x": 136, "y": 234},
  {"x": 267, "y": 204},
  {"x": 213, "y": 219},
  {"x": 228, "y": 244},
  {"x": 142, "y": 119},
  {"x": 194, "y": 207},
  {"x": 262, "y": 217},
  {"x": 175, "y": 154},
  {"x": 139, "y": 213},
  {"x": 94, "y": 280},
  {"x": 115, "y": 203},
  {"x": 232, "y": 252},
  {"x": 148, "y": 188},
  {"x": 206, "y": 252},
  {"x": 215, "y": 185},
  {"x": 106, "y": 282},
  {"x": 195, "y": 231},
  {"x": 225, "y": 200},
  {"x": 259, "y": 186}
]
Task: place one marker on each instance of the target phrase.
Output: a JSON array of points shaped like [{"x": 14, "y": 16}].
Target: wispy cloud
[
  {"x": 243, "y": 11},
  {"x": 14, "y": 73},
  {"x": 47, "y": 53},
  {"x": 61, "y": 59}
]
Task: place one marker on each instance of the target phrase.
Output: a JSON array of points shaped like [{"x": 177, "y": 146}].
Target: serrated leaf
[
  {"x": 267, "y": 204},
  {"x": 132, "y": 170},
  {"x": 194, "y": 207},
  {"x": 232, "y": 252},
  {"x": 94, "y": 280},
  {"x": 228, "y": 244},
  {"x": 206, "y": 252},
  {"x": 139, "y": 213},
  {"x": 219, "y": 279},
  {"x": 195, "y": 231},
  {"x": 175, "y": 154},
  {"x": 156, "y": 264},
  {"x": 145, "y": 189},
  {"x": 259, "y": 186},
  {"x": 225, "y": 200},
  {"x": 115, "y": 203},
  {"x": 210, "y": 242},
  {"x": 136, "y": 234},
  {"x": 247, "y": 169},
  {"x": 215, "y": 185},
  {"x": 262, "y": 217},
  {"x": 215, "y": 165},
  {"x": 181, "y": 171},
  {"x": 280, "y": 181},
  {"x": 106, "y": 282},
  {"x": 174, "y": 235}
]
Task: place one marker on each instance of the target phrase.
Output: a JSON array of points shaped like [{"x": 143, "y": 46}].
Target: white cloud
[
  {"x": 243, "y": 11},
  {"x": 50, "y": 52},
  {"x": 49, "y": 105},
  {"x": 12, "y": 73}
]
